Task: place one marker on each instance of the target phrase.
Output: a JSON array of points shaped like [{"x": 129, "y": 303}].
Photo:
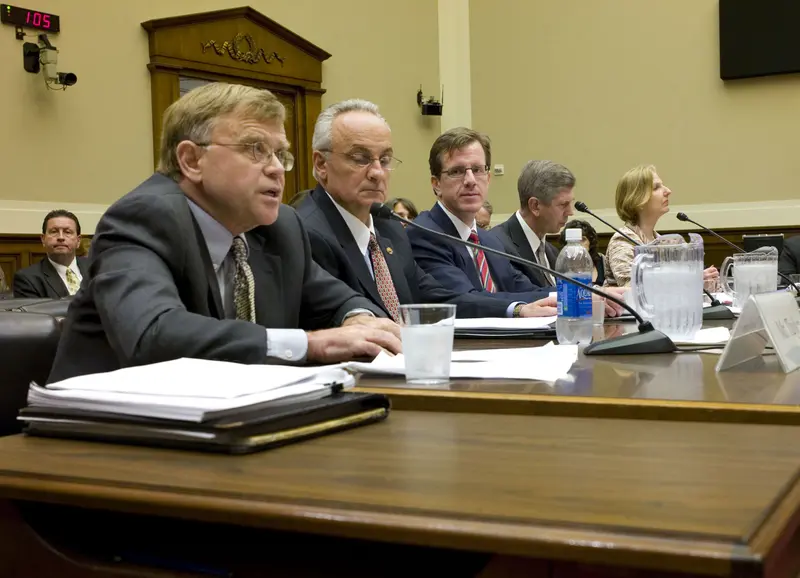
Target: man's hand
[
  {"x": 373, "y": 322},
  {"x": 351, "y": 341},
  {"x": 542, "y": 308}
]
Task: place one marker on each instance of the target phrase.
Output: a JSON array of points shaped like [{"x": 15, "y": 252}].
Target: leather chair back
[{"x": 28, "y": 343}]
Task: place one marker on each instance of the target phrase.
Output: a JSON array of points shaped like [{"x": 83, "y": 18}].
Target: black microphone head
[
  {"x": 380, "y": 211},
  {"x": 581, "y": 206},
  {"x": 682, "y": 217}
]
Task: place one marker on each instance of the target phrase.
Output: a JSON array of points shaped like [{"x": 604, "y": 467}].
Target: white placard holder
[{"x": 766, "y": 319}]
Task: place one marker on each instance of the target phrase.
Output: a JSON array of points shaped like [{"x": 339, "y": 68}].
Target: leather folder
[
  {"x": 247, "y": 431},
  {"x": 506, "y": 333}
]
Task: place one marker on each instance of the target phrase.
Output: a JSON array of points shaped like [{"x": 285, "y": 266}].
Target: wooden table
[
  {"x": 477, "y": 494},
  {"x": 682, "y": 386}
]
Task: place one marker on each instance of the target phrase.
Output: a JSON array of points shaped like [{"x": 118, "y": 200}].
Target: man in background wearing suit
[
  {"x": 60, "y": 273},
  {"x": 459, "y": 162},
  {"x": 789, "y": 262},
  {"x": 202, "y": 260},
  {"x": 353, "y": 159},
  {"x": 545, "y": 198}
]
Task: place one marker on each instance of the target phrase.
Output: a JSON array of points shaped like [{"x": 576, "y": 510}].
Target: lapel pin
[{"x": 389, "y": 250}]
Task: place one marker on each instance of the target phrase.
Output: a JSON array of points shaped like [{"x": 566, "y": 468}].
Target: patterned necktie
[
  {"x": 243, "y": 284},
  {"x": 72, "y": 282},
  {"x": 383, "y": 279},
  {"x": 482, "y": 265},
  {"x": 541, "y": 258}
]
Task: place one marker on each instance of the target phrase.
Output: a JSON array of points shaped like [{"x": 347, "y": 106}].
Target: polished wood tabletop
[
  {"x": 714, "y": 499},
  {"x": 680, "y": 386}
]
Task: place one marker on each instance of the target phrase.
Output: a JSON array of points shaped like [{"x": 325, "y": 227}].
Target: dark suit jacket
[
  {"x": 512, "y": 236},
  {"x": 335, "y": 249},
  {"x": 42, "y": 280},
  {"x": 151, "y": 294},
  {"x": 452, "y": 265},
  {"x": 789, "y": 262}
]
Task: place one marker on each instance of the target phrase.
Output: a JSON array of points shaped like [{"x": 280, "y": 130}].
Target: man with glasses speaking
[
  {"x": 203, "y": 261},
  {"x": 459, "y": 162},
  {"x": 60, "y": 273}
]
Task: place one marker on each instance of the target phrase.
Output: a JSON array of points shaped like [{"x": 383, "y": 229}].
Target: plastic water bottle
[{"x": 574, "y": 323}]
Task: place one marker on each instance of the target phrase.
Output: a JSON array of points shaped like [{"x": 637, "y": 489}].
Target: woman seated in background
[
  {"x": 404, "y": 208},
  {"x": 641, "y": 200},
  {"x": 589, "y": 242}
]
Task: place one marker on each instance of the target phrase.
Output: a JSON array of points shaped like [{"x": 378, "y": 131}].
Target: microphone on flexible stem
[
  {"x": 683, "y": 217},
  {"x": 646, "y": 340},
  {"x": 717, "y": 309}
]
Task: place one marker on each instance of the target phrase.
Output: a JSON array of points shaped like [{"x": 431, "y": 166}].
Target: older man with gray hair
[{"x": 545, "y": 198}]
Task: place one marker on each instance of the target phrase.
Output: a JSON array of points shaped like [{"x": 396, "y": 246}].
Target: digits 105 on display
[{"x": 29, "y": 18}]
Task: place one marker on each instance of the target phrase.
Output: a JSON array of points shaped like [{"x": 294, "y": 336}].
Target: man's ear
[
  {"x": 534, "y": 207},
  {"x": 189, "y": 157},
  {"x": 43, "y": 237},
  {"x": 435, "y": 186},
  {"x": 320, "y": 165}
]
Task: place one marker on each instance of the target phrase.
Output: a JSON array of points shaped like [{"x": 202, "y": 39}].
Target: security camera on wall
[{"x": 44, "y": 56}]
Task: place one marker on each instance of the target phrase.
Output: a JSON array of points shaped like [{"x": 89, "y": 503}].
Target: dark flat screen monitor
[
  {"x": 753, "y": 242},
  {"x": 758, "y": 38}
]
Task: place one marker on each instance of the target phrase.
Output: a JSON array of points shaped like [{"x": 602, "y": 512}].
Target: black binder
[{"x": 246, "y": 431}]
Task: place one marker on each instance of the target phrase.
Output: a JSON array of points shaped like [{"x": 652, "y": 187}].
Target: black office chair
[{"x": 28, "y": 343}]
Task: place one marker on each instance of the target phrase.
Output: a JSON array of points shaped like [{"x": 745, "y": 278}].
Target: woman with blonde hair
[{"x": 641, "y": 200}]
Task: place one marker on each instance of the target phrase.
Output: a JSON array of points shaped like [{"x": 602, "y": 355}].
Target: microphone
[
  {"x": 717, "y": 309},
  {"x": 646, "y": 340},
  {"x": 684, "y": 217}
]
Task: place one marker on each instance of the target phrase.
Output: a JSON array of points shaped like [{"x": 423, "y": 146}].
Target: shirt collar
[
  {"x": 62, "y": 269},
  {"x": 533, "y": 239},
  {"x": 359, "y": 230},
  {"x": 463, "y": 229},
  {"x": 218, "y": 239}
]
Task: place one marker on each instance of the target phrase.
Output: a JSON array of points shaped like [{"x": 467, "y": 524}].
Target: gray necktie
[
  {"x": 243, "y": 283},
  {"x": 541, "y": 257}
]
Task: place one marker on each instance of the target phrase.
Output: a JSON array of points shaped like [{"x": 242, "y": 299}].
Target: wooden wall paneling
[{"x": 243, "y": 46}]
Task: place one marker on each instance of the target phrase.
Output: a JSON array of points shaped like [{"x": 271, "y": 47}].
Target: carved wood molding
[{"x": 252, "y": 56}]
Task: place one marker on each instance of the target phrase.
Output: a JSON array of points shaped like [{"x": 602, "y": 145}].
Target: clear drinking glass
[{"x": 427, "y": 335}]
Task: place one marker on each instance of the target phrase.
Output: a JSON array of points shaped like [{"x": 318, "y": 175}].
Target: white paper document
[
  {"x": 188, "y": 389},
  {"x": 548, "y": 363},
  {"x": 708, "y": 336},
  {"x": 504, "y": 323}
]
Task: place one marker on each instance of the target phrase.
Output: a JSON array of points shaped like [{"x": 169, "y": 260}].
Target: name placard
[{"x": 768, "y": 319}]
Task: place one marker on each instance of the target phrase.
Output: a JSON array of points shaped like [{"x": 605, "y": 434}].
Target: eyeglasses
[
  {"x": 459, "y": 172},
  {"x": 361, "y": 160},
  {"x": 260, "y": 151}
]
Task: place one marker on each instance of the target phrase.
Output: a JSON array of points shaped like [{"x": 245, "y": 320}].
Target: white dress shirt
[
  {"x": 534, "y": 241},
  {"x": 62, "y": 270},
  {"x": 359, "y": 230},
  {"x": 286, "y": 344}
]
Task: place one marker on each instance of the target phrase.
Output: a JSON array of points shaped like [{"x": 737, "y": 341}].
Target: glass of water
[{"x": 427, "y": 334}]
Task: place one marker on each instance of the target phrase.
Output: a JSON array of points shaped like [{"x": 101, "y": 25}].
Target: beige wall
[
  {"x": 93, "y": 142},
  {"x": 601, "y": 86}
]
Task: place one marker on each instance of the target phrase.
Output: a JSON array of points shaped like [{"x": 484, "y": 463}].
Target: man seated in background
[
  {"x": 202, "y": 260},
  {"x": 545, "y": 198},
  {"x": 60, "y": 273},
  {"x": 483, "y": 218},
  {"x": 459, "y": 162},
  {"x": 353, "y": 160},
  {"x": 789, "y": 262}
]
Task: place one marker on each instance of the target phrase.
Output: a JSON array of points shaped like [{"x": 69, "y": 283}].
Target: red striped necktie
[{"x": 481, "y": 264}]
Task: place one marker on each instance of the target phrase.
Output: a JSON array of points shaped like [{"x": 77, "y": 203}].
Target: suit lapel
[
  {"x": 53, "y": 279},
  {"x": 463, "y": 252},
  {"x": 345, "y": 238},
  {"x": 520, "y": 240},
  {"x": 267, "y": 274},
  {"x": 213, "y": 296},
  {"x": 83, "y": 265},
  {"x": 395, "y": 265}
]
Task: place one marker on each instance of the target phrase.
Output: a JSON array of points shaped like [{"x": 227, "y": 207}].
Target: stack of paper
[
  {"x": 189, "y": 389},
  {"x": 548, "y": 363},
  {"x": 503, "y": 327}
]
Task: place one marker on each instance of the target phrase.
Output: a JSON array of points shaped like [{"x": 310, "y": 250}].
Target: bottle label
[{"x": 574, "y": 301}]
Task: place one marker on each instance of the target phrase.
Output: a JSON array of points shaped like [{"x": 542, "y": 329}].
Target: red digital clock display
[{"x": 29, "y": 18}]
